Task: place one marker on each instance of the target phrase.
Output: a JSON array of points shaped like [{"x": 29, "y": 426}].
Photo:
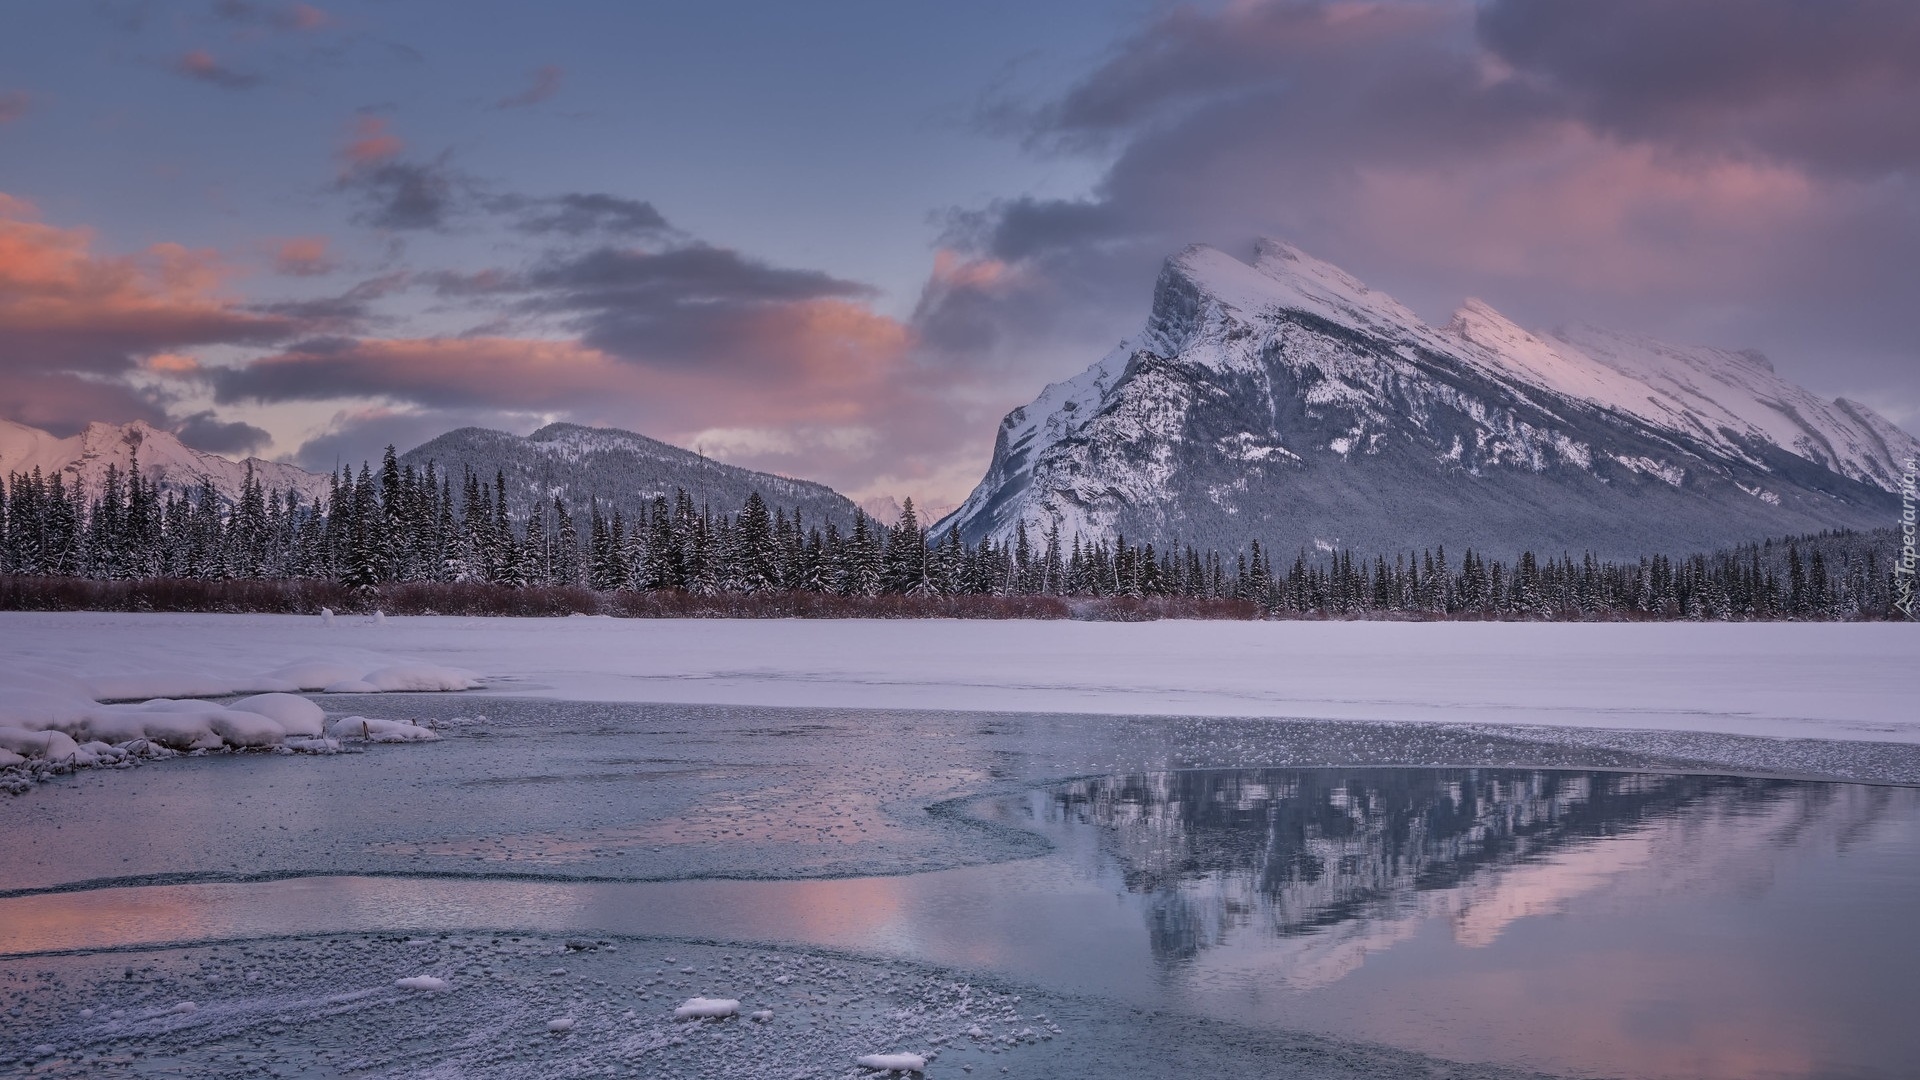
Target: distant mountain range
[
  {"x": 1285, "y": 401},
  {"x": 83, "y": 459},
  {"x": 620, "y": 469},
  {"x": 624, "y": 471}
]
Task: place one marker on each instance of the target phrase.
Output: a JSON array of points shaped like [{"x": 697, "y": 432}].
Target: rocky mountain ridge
[{"x": 1283, "y": 400}]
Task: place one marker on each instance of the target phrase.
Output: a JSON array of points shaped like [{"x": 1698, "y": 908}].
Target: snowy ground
[{"x": 1774, "y": 679}]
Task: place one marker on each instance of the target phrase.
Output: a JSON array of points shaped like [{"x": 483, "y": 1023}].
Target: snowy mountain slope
[
  {"x": 621, "y": 469},
  {"x": 164, "y": 460},
  {"x": 1284, "y": 400}
]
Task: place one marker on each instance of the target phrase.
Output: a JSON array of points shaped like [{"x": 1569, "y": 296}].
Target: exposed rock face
[{"x": 1284, "y": 401}]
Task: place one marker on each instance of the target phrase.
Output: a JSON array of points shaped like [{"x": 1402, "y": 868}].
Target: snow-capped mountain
[
  {"x": 164, "y": 460},
  {"x": 1285, "y": 401},
  {"x": 621, "y": 469}
]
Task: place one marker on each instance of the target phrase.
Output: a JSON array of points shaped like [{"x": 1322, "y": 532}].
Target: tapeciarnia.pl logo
[{"x": 1903, "y": 568}]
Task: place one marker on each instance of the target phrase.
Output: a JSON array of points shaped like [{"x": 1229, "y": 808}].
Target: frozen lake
[{"x": 1053, "y": 894}]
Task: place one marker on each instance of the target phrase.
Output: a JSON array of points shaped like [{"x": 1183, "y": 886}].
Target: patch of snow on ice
[
  {"x": 419, "y": 678},
  {"x": 701, "y": 1008},
  {"x": 893, "y": 1062},
  {"x": 379, "y": 730},
  {"x": 421, "y": 982}
]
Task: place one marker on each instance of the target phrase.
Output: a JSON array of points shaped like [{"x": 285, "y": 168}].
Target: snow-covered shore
[
  {"x": 1845, "y": 681},
  {"x": 57, "y": 715}
]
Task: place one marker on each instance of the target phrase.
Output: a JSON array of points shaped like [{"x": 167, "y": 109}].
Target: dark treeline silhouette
[{"x": 409, "y": 540}]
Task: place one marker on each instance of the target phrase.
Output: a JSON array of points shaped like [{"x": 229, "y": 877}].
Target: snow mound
[
  {"x": 700, "y": 1008},
  {"x": 893, "y": 1062},
  {"x": 295, "y": 715},
  {"x": 421, "y": 982},
  {"x": 379, "y": 730},
  {"x": 560, "y": 1024}
]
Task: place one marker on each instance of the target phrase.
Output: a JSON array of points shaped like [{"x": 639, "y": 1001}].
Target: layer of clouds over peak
[
  {"x": 776, "y": 367},
  {"x": 205, "y": 431},
  {"x": 76, "y": 324},
  {"x": 64, "y": 307},
  {"x": 1832, "y": 87},
  {"x": 1742, "y": 172}
]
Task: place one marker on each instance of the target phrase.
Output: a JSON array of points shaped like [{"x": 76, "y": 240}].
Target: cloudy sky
[{"x": 839, "y": 240}]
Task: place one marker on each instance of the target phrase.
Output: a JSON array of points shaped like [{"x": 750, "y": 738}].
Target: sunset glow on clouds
[{"x": 358, "y": 225}]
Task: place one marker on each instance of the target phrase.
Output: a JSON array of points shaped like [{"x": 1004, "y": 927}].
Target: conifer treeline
[{"x": 403, "y": 525}]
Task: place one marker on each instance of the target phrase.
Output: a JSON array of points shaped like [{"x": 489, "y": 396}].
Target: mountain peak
[
  {"x": 164, "y": 460},
  {"x": 620, "y": 470},
  {"x": 1288, "y": 400},
  {"x": 1283, "y": 278}
]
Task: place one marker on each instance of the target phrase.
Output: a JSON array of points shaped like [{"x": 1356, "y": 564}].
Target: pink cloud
[
  {"x": 302, "y": 256},
  {"x": 63, "y": 306},
  {"x": 372, "y": 143}
]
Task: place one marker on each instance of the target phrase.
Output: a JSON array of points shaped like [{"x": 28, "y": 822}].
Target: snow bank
[
  {"x": 893, "y": 1062},
  {"x": 701, "y": 1008}
]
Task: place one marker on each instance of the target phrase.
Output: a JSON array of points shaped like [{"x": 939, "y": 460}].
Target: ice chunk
[
  {"x": 295, "y": 715},
  {"x": 237, "y": 728},
  {"x": 893, "y": 1062},
  {"x": 701, "y": 1008},
  {"x": 560, "y": 1023},
  {"x": 761, "y": 1017},
  {"x": 379, "y": 730},
  {"x": 421, "y": 982}
]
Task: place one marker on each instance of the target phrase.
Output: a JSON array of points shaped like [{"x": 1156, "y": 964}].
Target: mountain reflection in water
[{"x": 1291, "y": 851}]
